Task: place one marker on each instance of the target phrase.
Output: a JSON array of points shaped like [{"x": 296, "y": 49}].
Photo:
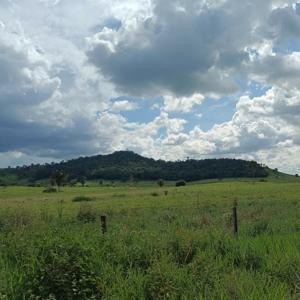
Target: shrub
[
  {"x": 50, "y": 189},
  {"x": 73, "y": 182},
  {"x": 87, "y": 214},
  {"x": 180, "y": 183},
  {"x": 119, "y": 195},
  {"x": 154, "y": 194},
  {"x": 82, "y": 199},
  {"x": 63, "y": 272}
]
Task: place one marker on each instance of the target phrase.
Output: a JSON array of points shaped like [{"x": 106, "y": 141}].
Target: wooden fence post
[
  {"x": 235, "y": 220},
  {"x": 103, "y": 224}
]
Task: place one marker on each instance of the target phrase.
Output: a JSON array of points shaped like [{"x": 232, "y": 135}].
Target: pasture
[{"x": 162, "y": 242}]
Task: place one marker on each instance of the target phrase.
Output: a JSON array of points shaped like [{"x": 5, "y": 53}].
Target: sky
[{"x": 167, "y": 79}]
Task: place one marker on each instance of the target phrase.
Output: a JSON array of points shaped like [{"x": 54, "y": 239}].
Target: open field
[{"x": 162, "y": 243}]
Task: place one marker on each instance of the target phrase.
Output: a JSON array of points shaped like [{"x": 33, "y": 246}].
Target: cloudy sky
[{"x": 167, "y": 79}]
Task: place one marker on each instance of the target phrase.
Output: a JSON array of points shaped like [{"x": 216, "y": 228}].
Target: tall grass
[{"x": 175, "y": 247}]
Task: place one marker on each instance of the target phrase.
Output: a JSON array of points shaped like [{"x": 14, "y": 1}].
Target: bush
[
  {"x": 87, "y": 214},
  {"x": 263, "y": 180},
  {"x": 180, "y": 183},
  {"x": 154, "y": 194},
  {"x": 63, "y": 272},
  {"x": 82, "y": 199},
  {"x": 50, "y": 189}
]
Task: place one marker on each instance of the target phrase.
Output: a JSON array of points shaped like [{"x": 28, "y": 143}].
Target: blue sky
[{"x": 166, "y": 79}]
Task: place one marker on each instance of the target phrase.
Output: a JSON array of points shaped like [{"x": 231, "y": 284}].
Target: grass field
[{"x": 162, "y": 243}]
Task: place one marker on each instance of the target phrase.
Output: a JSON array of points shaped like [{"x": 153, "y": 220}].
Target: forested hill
[{"x": 126, "y": 165}]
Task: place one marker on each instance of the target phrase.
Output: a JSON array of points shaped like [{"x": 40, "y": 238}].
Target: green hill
[{"x": 127, "y": 165}]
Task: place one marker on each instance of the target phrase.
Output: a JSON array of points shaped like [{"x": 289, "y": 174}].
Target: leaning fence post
[
  {"x": 103, "y": 223},
  {"x": 235, "y": 220}
]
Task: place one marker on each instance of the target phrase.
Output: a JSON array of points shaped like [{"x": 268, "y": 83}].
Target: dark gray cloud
[
  {"x": 284, "y": 24},
  {"x": 181, "y": 49},
  {"x": 48, "y": 140},
  {"x": 188, "y": 46}
]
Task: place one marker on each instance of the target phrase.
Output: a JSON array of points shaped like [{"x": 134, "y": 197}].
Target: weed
[
  {"x": 50, "y": 189},
  {"x": 258, "y": 228},
  {"x": 160, "y": 282},
  {"x": 82, "y": 199},
  {"x": 63, "y": 272},
  {"x": 87, "y": 214}
]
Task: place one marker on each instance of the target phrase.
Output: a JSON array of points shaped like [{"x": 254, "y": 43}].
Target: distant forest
[{"x": 127, "y": 165}]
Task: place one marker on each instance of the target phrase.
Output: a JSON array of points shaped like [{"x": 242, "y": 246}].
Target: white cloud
[
  {"x": 64, "y": 64},
  {"x": 123, "y": 105},
  {"x": 261, "y": 128},
  {"x": 182, "y": 104}
]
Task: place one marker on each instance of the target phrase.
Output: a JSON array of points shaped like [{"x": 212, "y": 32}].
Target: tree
[
  {"x": 253, "y": 167},
  {"x": 58, "y": 177},
  {"x": 73, "y": 182},
  {"x": 52, "y": 180},
  {"x": 81, "y": 180},
  {"x": 160, "y": 182}
]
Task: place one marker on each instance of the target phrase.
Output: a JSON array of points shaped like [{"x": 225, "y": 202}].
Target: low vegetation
[
  {"x": 82, "y": 199},
  {"x": 50, "y": 189},
  {"x": 180, "y": 183},
  {"x": 179, "y": 245}
]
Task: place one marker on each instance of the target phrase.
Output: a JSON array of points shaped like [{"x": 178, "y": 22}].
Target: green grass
[{"x": 177, "y": 245}]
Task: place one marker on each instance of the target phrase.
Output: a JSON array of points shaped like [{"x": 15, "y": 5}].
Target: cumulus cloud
[
  {"x": 66, "y": 65},
  {"x": 48, "y": 101},
  {"x": 123, "y": 105},
  {"x": 182, "y": 104},
  {"x": 169, "y": 51},
  {"x": 259, "y": 128},
  {"x": 185, "y": 47}
]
